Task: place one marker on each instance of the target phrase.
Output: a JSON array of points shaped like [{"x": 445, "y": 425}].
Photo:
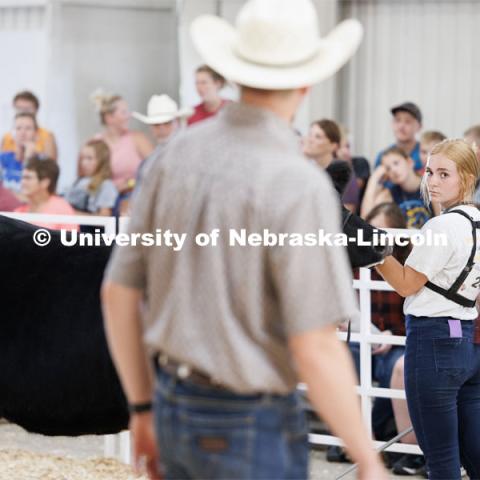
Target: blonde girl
[
  {"x": 441, "y": 283},
  {"x": 93, "y": 192},
  {"x": 128, "y": 148}
]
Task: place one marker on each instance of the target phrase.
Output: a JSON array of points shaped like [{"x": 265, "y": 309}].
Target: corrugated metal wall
[{"x": 423, "y": 51}]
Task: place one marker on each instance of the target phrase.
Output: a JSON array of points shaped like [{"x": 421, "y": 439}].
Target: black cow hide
[{"x": 56, "y": 375}]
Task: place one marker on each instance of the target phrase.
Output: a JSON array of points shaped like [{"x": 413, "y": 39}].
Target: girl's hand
[
  {"x": 380, "y": 174},
  {"x": 384, "y": 347},
  {"x": 29, "y": 150}
]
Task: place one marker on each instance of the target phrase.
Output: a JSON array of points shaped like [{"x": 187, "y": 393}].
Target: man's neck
[
  {"x": 281, "y": 108},
  {"x": 408, "y": 146}
]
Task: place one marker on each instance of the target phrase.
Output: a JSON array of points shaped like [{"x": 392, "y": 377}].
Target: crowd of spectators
[
  {"x": 112, "y": 163},
  {"x": 111, "y": 166}
]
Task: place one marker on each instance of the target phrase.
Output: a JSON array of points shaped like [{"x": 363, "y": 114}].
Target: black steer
[{"x": 56, "y": 375}]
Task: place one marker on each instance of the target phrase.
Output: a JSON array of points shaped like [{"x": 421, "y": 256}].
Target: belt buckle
[{"x": 183, "y": 371}]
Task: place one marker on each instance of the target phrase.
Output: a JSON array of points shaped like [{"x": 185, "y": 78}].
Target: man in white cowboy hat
[
  {"x": 236, "y": 325},
  {"x": 163, "y": 117}
]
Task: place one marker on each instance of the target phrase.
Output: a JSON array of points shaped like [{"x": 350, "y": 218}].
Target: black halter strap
[{"x": 451, "y": 293}]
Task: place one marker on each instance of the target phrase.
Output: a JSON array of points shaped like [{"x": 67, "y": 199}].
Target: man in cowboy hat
[
  {"x": 163, "y": 116},
  {"x": 233, "y": 329}
]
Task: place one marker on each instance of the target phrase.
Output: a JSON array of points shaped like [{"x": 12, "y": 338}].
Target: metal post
[{"x": 365, "y": 347}]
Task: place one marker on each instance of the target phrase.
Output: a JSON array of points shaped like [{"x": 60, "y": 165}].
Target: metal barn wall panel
[{"x": 423, "y": 51}]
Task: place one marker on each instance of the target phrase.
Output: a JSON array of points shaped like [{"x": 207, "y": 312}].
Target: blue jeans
[
  {"x": 211, "y": 433},
  {"x": 382, "y": 368},
  {"x": 442, "y": 381}
]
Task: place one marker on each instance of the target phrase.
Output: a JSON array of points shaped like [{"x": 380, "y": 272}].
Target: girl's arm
[
  {"x": 375, "y": 192},
  {"x": 405, "y": 280}
]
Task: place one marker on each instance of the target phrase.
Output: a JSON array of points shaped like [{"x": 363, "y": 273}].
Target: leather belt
[{"x": 183, "y": 371}]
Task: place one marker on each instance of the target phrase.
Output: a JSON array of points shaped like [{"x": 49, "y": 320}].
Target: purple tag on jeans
[{"x": 455, "y": 328}]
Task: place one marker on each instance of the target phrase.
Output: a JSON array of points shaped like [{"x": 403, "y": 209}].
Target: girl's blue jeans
[{"x": 442, "y": 382}]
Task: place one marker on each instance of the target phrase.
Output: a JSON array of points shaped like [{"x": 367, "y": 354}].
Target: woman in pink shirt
[
  {"x": 127, "y": 148},
  {"x": 39, "y": 181}
]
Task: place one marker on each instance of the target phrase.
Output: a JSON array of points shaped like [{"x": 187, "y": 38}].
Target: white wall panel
[{"x": 23, "y": 46}]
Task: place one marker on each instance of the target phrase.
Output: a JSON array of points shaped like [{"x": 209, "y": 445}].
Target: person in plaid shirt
[
  {"x": 387, "y": 307},
  {"x": 387, "y": 316}
]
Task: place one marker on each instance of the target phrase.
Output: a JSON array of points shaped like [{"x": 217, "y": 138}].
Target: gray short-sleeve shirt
[
  {"x": 228, "y": 310},
  {"x": 82, "y": 199}
]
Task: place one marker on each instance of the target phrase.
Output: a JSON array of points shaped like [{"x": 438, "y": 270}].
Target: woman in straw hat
[{"x": 229, "y": 352}]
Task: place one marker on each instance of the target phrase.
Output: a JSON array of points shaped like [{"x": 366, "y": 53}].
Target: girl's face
[
  {"x": 316, "y": 144},
  {"x": 397, "y": 167},
  {"x": 88, "y": 161},
  {"x": 443, "y": 181},
  {"x": 24, "y": 130},
  {"x": 120, "y": 117},
  {"x": 207, "y": 87}
]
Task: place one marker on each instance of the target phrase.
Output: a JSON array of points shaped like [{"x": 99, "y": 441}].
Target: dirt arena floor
[{"x": 25, "y": 456}]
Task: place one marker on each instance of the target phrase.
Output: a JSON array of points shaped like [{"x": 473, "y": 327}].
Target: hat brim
[
  {"x": 158, "y": 119},
  {"x": 395, "y": 110},
  {"x": 215, "y": 40}
]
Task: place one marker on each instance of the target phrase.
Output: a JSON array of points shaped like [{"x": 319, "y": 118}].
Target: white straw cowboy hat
[
  {"x": 274, "y": 45},
  {"x": 161, "y": 109}
]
